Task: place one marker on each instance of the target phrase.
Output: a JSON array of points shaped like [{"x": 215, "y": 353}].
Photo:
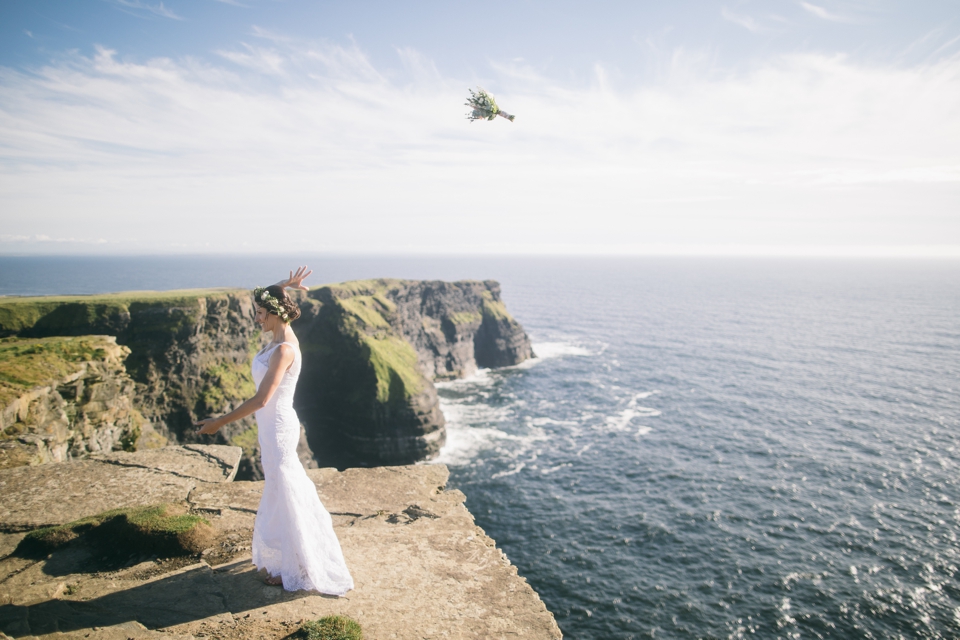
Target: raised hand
[{"x": 295, "y": 281}]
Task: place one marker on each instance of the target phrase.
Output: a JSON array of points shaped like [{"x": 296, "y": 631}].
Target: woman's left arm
[
  {"x": 280, "y": 361},
  {"x": 295, "y": 281}
]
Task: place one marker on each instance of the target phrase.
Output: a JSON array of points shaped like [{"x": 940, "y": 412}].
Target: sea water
[{"x": 702, "y": 448}]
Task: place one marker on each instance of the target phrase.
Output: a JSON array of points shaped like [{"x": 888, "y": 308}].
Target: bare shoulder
[
  {"x": 289, "y": 349},
  {"x": 284, "y": 354}
]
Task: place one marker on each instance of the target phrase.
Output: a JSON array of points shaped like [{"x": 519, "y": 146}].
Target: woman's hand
[
  {"x": 295, "y": 281},
  {"x": 207, "y": 426}
]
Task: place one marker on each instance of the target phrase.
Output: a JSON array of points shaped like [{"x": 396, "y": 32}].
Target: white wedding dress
[{"x": 293, "y": 534}]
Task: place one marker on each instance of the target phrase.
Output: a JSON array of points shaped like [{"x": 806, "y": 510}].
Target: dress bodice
[{"x": 283, "y": 396}]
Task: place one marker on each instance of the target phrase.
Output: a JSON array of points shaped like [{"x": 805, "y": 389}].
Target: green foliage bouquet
[{"x": 484, "y": 106}]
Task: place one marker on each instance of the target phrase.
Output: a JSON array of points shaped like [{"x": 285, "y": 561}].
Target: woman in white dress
[{"x": 293, "y": 537}]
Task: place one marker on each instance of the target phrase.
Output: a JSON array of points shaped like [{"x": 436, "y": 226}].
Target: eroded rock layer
[{"x": 65, "y": 398}]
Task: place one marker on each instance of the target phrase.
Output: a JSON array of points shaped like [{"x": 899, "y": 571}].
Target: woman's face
[{"x": 267, "y": 321}]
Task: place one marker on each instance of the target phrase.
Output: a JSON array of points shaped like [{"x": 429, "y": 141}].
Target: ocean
[{"x": 705, "y": 448}]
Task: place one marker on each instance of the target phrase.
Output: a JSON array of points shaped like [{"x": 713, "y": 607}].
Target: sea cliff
[
  {"x": 371, "y": 352},
  {"x": 373, "y": 349}
]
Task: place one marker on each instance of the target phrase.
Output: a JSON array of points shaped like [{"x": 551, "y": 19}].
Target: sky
[{"x": 790, "y": 128}]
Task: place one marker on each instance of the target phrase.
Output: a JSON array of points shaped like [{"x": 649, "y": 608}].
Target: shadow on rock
[{"x": 193, "y": 595}]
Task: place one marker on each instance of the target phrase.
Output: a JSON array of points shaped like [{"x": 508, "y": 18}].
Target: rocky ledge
[{"x": 422, "y": 567}]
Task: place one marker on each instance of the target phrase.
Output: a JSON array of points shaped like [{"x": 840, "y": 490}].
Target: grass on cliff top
[
  {"x": 369, "y": 287},
  {"x": 121, "y": 296},
  {"x": 21, "y": 313},
  {"x": 27, "y": 363},
  {"x": 163, "y": 530},
  {"x": 329, "y": 628}
]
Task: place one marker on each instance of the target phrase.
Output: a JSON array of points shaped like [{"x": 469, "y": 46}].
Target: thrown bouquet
[{"x": 484, "y": 106}]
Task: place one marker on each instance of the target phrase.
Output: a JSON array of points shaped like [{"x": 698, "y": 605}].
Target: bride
[{"x": 293, "y": 538}]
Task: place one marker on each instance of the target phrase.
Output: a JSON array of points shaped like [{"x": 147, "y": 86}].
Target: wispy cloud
[
  {"x": 746, "y": 22},
  {"x": 823, "y": 14},
  {"x": 137, "y": 7},
  {"x": 348, "y": 156}
]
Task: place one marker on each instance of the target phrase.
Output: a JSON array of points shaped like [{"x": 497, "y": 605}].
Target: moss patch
[
  {"x": 227, "y": 382},
  {"x": 395, "y": 364},
  {"x": 465, "y": 317},
  {"x": 163, "y": 530},
  {"x": 367, "y": 309},
  {"x": 330, "y": 628},
  {"x": 247, "y": 440},
  {"x": 495, "y": 308},
  {"x": 29, "y": 363}
]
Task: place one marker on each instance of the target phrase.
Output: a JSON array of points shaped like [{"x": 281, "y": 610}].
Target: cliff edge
[{"x": 422, "y": 567}]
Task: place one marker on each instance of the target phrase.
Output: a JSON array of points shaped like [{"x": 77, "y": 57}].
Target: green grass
[
  {"x": 27, "y": 363},
  {"x": 362, "y": 287},
  {"x": 247, "y": 441},
  {"x": 495, "y": 308},
  {"x": 395, "y": 364},
  {"x": 465, "y": 317},
  {"x": 366, "y": 309},
  {"x": 163, "y": 530},
  {"x": 330, "y": 628},
  {"x": 226, "y": 382},
  {"x": 64, "y": 315}
]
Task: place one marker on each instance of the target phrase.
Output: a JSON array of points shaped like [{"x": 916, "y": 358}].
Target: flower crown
[{"x": 271, "y": 304}]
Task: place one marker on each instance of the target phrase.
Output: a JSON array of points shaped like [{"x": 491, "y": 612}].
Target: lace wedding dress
[{"x": 293, "y": 534}]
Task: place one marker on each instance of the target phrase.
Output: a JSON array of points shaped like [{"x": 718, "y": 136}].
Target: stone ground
[{"x": 422, "y": 568}]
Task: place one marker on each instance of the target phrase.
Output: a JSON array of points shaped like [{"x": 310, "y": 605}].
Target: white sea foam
[
  {"x": 546, "y": 350},
  {"x": 621, "y": 420},
  {"x": 472, "y": 428},
  {"x": 517, "y": 468},
  {"x": 480, "y": 378},
  {"x": 550, "y": 470}
]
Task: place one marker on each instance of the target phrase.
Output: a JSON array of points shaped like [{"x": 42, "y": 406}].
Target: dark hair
[{"x": 286, "y": 303}]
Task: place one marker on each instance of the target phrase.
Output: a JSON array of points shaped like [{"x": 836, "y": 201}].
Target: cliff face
[
  {"x": 189, "y": 352},
  {"x": 63, "y": 398},
  {"x": 372, "y": 350}
]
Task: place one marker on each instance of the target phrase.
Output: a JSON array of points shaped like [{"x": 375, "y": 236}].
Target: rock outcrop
[
  {"x": 66, "y": 398},
  {"x": 421, "y": 566},
  {"x": 188, "y": 353},
  {"x": 371, "y": 352},
  {"x": 372, "y": 349}
]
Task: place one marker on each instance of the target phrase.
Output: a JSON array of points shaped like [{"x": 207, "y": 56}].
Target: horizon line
[{"x": 916, "y": 251}]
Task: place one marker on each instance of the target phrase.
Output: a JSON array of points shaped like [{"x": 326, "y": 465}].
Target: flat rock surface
[
  {"x": 207, "y": 462},
  {"x": 51, "y": 494},
  {"x": 422, "y": 569}
]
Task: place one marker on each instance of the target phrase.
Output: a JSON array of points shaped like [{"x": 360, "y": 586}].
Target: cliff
[
  {"x": 188, "y": 352},
  {"x": 372, "y": 350},
  {"x": 63, "y": 398}
]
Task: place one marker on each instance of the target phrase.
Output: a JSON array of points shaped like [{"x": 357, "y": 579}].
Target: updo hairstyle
[{"x": 286, "y": 303}]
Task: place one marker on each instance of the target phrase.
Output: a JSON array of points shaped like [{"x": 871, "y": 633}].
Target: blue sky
[{"x": 783, "y": 128}]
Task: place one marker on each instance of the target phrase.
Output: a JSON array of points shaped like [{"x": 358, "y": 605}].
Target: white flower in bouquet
[{"x": 484, "y": 106}]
